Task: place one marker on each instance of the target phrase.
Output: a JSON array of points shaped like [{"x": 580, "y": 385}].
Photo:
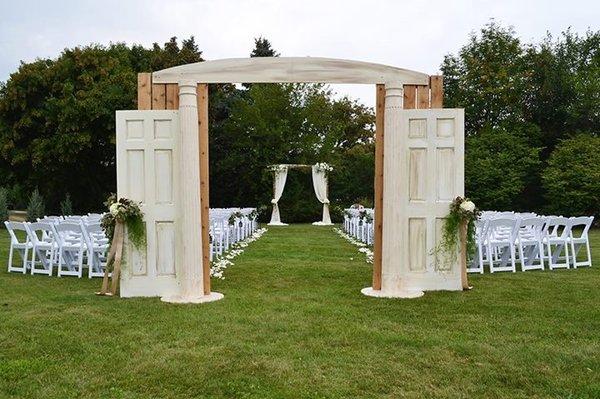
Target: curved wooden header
[{"x": 289, "y": 70}]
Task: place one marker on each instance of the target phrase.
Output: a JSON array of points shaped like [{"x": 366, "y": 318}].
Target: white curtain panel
[
  {"x": 278, "y": 185},
  {"x": 320, "y": 184}
]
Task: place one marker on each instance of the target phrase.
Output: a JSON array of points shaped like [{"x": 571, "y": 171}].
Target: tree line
[{"x": 531, "y": 118}]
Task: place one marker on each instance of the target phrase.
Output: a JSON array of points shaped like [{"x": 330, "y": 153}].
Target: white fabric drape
[
  {"x": 320, "y": 184},
  {"x": 278, "y": 185}
]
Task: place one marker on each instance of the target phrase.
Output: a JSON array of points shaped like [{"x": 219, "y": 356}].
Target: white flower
[
  {"x": 273, "y": 201},
  {"x": 114, "y": 209},
  {"x": 467, "y": 206}
]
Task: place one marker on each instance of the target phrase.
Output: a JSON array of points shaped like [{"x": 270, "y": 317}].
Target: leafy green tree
[
  {"x": 262, "y": 48},
  {"x": 36, "y": 208},
  {"x": 57, "y": 117},
  {"x": 3, "y": 206},
  {"x": 499, "y": 162},
  {"x": 572, "y": 178}
]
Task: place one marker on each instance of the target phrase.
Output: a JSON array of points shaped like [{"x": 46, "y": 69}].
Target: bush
[
  {"x": 3, "y": 205},
  {"x": 572, "y": 178},
  {"x": 35, "y": 208},
  {"x": 66, "y": 206}
]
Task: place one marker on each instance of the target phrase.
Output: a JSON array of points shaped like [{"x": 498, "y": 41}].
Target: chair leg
[{"x": 10, "y": 259}]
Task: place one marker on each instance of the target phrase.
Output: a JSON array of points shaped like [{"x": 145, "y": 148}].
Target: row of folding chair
[
  {"x": 61, "y": 244},
  {"x": 224, "y": 234},
  {"x": 358, "y": 225},
  {"x": 532, "y": 241}
]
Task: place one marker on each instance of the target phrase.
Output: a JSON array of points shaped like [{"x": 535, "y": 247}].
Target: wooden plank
[
  {"x": 172, "y": 99},
  {"x": 144, "y": 90},
  {"x": 202, "y": 93},
  {"x": 159, "y": 96},
  {"x": 409, "y": 101},
  {"x": 378, "y": 195},
  {"x": 436, "y": 83},
  {"x": 422, "y": 97}
]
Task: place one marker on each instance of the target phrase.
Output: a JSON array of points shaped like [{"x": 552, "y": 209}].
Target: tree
[
  {"x": 66, "y": 206},
  {"x": 36, "y": 207},
  {"x": 57, "y": 118},
  {"x": 3, "y": 206},
  {"x": 262, "y": 48},
  {"x": 572, "y": 178}
]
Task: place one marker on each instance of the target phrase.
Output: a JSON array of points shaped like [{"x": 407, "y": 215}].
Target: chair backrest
[
  {"x": 532, "y": 225},
  {"x": 39, "y": 231},
  {"x": 70, "y": 232},
  {"x": 582, "y": 221},
  {"x": 559, "y": 227},
  {"x": 507, "y": 228},
  {"x": 12, "y": 227}
]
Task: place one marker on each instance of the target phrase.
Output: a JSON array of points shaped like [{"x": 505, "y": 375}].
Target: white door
[
  {"x": 423, "y": 173},
  {"x": 147, "y": 159}
]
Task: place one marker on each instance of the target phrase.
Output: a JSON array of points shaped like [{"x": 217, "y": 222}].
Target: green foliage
[
  {"x": 57, "y": 117},
  {"x": 263, "y": 48},
  {"x": 36, "y": 207},
  {"x": 3, "y": 206},
  {"x": 500, "y": 163},
  {"x": 572, "y": 178},
  {"x": 520, "y": 100},
  {"x": 128, "y": 212},
  {"x": 66, "y": 206}
]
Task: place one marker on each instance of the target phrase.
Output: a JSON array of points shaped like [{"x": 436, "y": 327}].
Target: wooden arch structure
[{"x": 185, "y": 88}]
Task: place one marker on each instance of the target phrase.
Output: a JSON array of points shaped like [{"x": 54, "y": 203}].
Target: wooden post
[
  {"x": 159, "y": 96},
  {"x": 172, "y": 96},
  {"x": 422, "y": 97},
  {"x": 410, "y": 97},
  {"x": 463, "y": 256},
  {"x": 202, "y": 98},
  {"x": 436, "y": 83},
  {"x": 378, "y": 197},
  {"x": 144, "y": 94}
]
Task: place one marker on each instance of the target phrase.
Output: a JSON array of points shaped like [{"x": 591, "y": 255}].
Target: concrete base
[
  {"x": 213, "y": 296},
  {"x": 277, "y": 224},
  {"x": 369, "y": 291},
  {"x": 322, "y": 224}
]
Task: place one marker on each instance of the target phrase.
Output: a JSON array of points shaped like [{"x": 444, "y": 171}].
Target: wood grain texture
[
  {"x": 289, "y": 70},
  {"x": 144, "y": 88},
  {"x": 410, "y": 97},
  {"x": 436, "y": 83},
  {"x": 422, "y": 97},
  {"x": 159, "y": 96},
  {"x": 172, "y": 96},
  {"x": 378, "y": 195},
  {"x": 202, "y": 98}
]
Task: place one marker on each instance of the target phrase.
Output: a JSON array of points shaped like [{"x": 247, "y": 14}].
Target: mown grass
[{"x": 293, "y": 324}]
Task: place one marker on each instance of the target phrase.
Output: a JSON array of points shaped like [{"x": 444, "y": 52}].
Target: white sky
[{"x": 409, "y": 34}]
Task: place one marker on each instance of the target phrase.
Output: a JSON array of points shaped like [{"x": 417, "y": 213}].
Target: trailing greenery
[
  {"x": 129, "y": 213},
  {"x": 66, "y": 206},
  {"x": 294, "y": 324},
  {"x": 36, "y": 207},
  {"x": 462, "y": 210}
]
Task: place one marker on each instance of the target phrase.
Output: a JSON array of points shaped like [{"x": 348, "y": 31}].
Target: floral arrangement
[
  {"x": 323, "y": 167},
  {"x": 218, "y": 267},
  {"x": 234, "y": 216},
  {"x": 276, "y": 168},
  {"x": 362, "y": 247},
  {"x": 127, "y": 212},
  {"x": 462, "y": 210},
  {"x": 365, "y": 216}
]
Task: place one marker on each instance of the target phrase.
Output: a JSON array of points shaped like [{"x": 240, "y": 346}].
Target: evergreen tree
[
  {"x": 262, "y": 48},
  {"x": 36, "y": 208},
  {"x": 3, "y": 206}
]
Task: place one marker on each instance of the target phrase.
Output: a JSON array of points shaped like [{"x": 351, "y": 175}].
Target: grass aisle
[{"x": 294, "y": 324}]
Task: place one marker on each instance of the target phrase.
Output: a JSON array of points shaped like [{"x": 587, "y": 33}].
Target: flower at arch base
[
  {"x": 114, "y": 209},
  {"x": 467, "y": 206}
]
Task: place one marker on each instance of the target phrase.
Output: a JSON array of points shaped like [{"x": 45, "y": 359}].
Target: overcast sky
[{"x": 409, "y": 34}]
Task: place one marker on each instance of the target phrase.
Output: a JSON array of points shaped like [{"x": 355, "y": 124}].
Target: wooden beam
[
  {"x": 378, "y": 195},
  {"x": 422, "y": 97},
  {"x": 159, "y": 96},
  {"x": 202, "y": 92},
  {"x": 410, "y": 100},
  {"x": 436, "y": 83},
  {"x": 144, "y": 90},
  {"x": 172, "y": 96}
]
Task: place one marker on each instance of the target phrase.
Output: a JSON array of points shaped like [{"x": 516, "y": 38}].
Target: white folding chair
[
  {"x": 556, "y": 237},
  {"x": 22, "y": 246},
  {"x": 44, "y": 246},
  {"x": 97, "y": 247},
  {"x": 580, "y": 240},
  {"x": 477, "y": 262},
  {"x": 529, "y": 242},
  {"x": 71, "y": 249},
  {"x": 501, "y": 236}
]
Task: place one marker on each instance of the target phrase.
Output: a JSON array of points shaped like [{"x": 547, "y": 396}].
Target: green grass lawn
[{"x": 293, "y": 324}]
